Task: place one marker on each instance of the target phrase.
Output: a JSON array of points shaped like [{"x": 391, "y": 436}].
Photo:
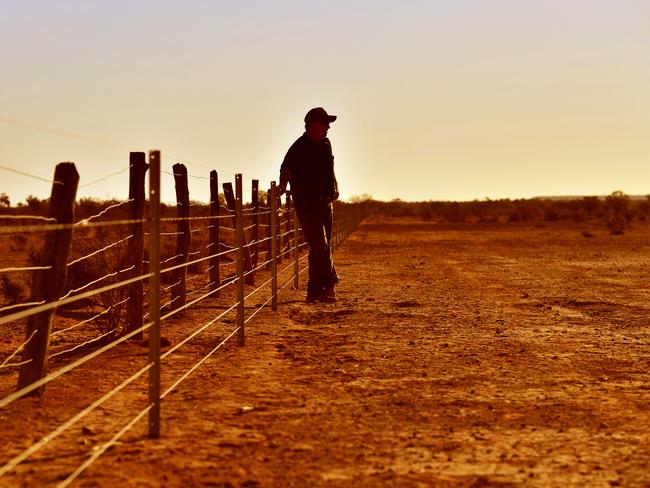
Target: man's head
[{"x": 317, "y": 122}]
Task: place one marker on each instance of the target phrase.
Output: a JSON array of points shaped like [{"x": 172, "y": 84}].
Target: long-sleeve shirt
[{"x": 311, "y": 166}]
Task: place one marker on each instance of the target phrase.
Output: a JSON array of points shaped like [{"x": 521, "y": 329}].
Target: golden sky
[{"x": 442, "y": 100}]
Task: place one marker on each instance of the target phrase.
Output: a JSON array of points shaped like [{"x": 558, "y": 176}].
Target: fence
[{"x": 260, "y": 240}]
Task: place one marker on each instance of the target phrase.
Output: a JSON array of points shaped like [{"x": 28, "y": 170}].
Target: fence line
[{"x": 276, "y": 244}]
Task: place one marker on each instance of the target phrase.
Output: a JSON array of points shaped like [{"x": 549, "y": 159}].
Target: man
[{"x": 309, "y": 168}]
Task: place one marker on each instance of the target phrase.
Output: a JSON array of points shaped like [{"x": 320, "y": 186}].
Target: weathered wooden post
[
  {"x": 278, "y": 223},
  {"x": 255, "y": 202},
  {"x": 239, "y": 226},
  {"x": 214, "y": 226},
  {"x": 154, "y": 293},
  {"x": 274, "y": 247},
  {"x": 229, "y": 195},
  {"x": 48, "y": 284},
  {"x": 134, "y": 306},
  {"x": 183, "y": 237}
]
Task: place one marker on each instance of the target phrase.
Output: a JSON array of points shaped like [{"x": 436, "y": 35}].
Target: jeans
[{"x": 316, "y": 223}]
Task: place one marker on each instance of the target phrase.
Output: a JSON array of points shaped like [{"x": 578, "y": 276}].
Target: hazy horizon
[{"x": 451, "y": 101}]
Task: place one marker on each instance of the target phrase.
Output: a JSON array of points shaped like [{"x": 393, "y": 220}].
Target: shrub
[{"x": 12, "y": 290}]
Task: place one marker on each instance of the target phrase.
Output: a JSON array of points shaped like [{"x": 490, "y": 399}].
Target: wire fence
[{"x": 123, "y": 270}]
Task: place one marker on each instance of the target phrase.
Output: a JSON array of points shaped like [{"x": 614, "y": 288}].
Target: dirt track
[{"x": 457, "y": 356}]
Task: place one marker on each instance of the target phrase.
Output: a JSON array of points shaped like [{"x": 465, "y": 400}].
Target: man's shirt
[{"x": 312, "y": 170}]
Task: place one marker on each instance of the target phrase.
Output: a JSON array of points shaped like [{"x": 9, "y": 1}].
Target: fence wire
[{"x": 73, "y": 295}]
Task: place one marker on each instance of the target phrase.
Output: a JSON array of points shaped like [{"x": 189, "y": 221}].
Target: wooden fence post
[
  {"x": 229, "y": 195},
  {"x": 278, "y": 223},
  {"x": 239, "y": 226},
  {"x": 134, "y": 307},
  {"x": 274, "y": 247},
  {"x": 154, "y": 293},
  {"x": 255, "y": 202},
  {"x": 48, "y": 284},
  {"x": 215, "y": 222},
  {"x": 183, "y": 238}
]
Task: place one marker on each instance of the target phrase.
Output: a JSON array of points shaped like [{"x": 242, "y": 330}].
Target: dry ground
[{"x": 501, "y": 355}]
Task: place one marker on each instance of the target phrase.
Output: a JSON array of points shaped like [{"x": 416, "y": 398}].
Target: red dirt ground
[{"x": 488, "y": 355}]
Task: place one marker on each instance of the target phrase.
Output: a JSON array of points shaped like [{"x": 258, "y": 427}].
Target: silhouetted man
[{"x": 309, "y": 168}]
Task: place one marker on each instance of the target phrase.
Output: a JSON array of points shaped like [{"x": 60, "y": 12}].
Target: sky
[{"x": 436, "y": 99}]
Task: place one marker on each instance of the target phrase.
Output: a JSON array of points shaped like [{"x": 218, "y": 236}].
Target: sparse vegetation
[
  {"x": 617, "y": 210},
  {"x": 13, "y": 291}
]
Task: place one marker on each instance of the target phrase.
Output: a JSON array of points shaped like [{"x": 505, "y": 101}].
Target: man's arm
[{"x": 285, "y": 176}]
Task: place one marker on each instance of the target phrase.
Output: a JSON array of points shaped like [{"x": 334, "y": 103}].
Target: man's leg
[
  {"x": 331, "y": 278},
  {"x": 312, "y": 221}
]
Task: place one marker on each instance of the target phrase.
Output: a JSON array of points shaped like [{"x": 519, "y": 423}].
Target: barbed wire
[
  {"x": 20, "y": 305},
  {"x": 110, "y": 207},
  {"x": 192, "y": 278},
  {"x": 22, "y": 173},
  {"x": 24, "y": 268},
  {"x": 14, "y": 229},
  {"x": 171, "y": 258},
  {"x": 204, "y": 258},
  {"x": 60, "y": 132},
  {"x": 104, "y": 178},
  {"x": 172, "y": 285},
  {"x": 229, "y": 282},
  {"x": 27, "y": 217},
  {"x": 78, "y": 324},
  {"x": 52, "y": 376},
  {"x": 13, "y": 365},
  {"x": 109, "y": 275},
  {"x": 188, "y": 175},
  {"x": 78, "y": 346},
  {"x": 105, "y": 248},
  {"x": 43, "y": 307},
  {"x": 193, "y": 292},
  {"x": 18, "y": 349}
]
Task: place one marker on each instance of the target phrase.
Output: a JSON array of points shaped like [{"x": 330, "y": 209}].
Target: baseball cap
[{"x": 319, "y": 114}]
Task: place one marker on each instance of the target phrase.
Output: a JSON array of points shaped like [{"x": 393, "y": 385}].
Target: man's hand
[
  {"x": 285, "y": 176},
  {"x": 331, "y": 198}
]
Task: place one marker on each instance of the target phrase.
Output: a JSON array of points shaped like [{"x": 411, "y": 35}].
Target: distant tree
[
  {"x": 36, "y": 205},
  {"x": 618, "y": 212},
  {"x": 4, "y": 200},
  {"x": 366, "y": 197}
]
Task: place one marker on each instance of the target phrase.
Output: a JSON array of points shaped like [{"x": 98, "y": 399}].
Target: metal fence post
[
  {"x": 239, "y": 227},
  {"x": 154, "y": 293},
  {"x": 296, "y": 249},
  {"x": 255, "y": 203},
  {"x": 274, "y": 247}
]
